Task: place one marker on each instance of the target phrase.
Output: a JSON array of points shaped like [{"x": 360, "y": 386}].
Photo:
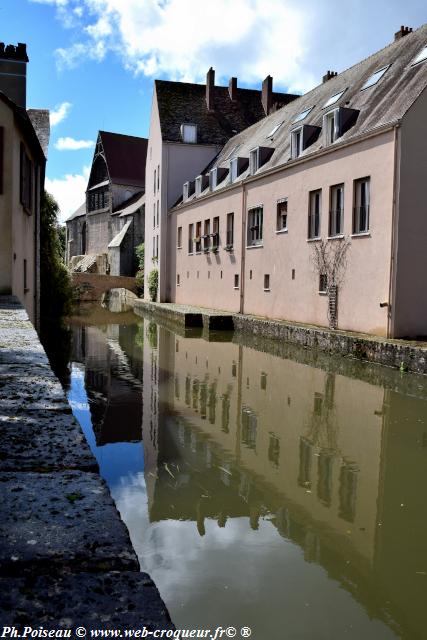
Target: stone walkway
[{"x": 65, "y": 555}]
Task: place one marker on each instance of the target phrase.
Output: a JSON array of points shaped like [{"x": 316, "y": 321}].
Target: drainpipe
[
  {"x": 394, "y": 234},
  {"x": 243, "y": 251}
]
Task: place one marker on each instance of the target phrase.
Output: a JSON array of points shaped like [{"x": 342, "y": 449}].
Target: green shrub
[
  {"x": 139, "y": 281},
  {"x": 140, "y": 254},
  {"x": 153, "y": 284}
]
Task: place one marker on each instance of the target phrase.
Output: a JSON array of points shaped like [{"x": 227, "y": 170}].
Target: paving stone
[
  {"x": 111, "y": 600},
  {"x": 25, "y": 390},
  {"x": 61, "y": 519},
  {"x": 43, "y": 441}
]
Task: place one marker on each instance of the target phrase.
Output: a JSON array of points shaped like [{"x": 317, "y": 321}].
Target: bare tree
[{"x": 330, "y": 264}]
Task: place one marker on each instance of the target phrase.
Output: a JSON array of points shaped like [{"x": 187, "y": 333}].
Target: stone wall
[
  {"x": 89, "y": 287},
  {"x": 65, "y": 554}
]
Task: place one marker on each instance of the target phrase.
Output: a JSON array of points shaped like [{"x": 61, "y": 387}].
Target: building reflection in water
[{"x": 336, "y": 464}]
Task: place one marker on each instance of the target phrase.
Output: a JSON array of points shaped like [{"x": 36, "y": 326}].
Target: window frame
[
  {"x": 179, "y": 238},
  {"x": 333, "y": 116},
  {"x": 357, "y": 198},
  {"x": 314, "y": 217},
  {"x": 279, "y": 228},
  {"x": 255, "y": 232},
  {"x": 333, "y": 211},
  {"x": 230, "y": 230},
  {"x": 213, "y": 179},
  {"x": 190, "y": 239},
  {"x": 253, "y": 161},
  {"x": 296, "y": 142},
  {"x": 368, "y": 84},
  {"x": 184, "y": 127}
]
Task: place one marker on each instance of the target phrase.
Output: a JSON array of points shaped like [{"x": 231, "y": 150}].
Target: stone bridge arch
[{"x": 89, "y": 287}]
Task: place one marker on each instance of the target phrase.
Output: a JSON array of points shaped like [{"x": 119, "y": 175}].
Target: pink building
[{"x": 340, "y": 170}]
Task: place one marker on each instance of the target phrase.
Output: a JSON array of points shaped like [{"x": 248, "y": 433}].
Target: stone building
[
  {"x": 189, "y": 125},
  {"x": 103, "y": 232},
  {"x": 340, "y": 169},
  {"x": 24, "y": 139}
]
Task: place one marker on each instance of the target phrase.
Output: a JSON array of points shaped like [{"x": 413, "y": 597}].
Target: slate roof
[
  {"x": 81, "y": 211},
  {"x": 384, "y": 103},
  {"x": 40, "y": 121},
  {"x": 125, "y": 157},
  {"x": 180, "y": 102},
  {"x": 130, "y": 205}
]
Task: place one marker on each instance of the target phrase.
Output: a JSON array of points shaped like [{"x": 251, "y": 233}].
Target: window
[
  {"x": 361, "y": 205},
  {"x": 374, "y": 78},
  {"x": 198, "y": 185},
  {"x": 25, "y": 276},
  {"x": 230, "y": 230},
  {"x": 215, "y": 232},
  {"x": 266, "y": 282},
  {"x": 179, "y": 238},
  {"x": 190, "y": 238},
  {"x": 158, "y": 177},
  {"x": 155, "y": 181},
  {"x": 315, "y": 201},
  {"x": 236, "y": 281},
  {"x": 302, "y": 115},
  {"x": 26, "y": 181},
  {"x": 154, "y": 215},
  {"x": 249, "y": 427},
  {"x": 347, "y": 492},
  {"x": 274, "y": 450},
  {"x": 178, "y": 282},
  {"x": 330, "y": 126},
  {"x": 207, "y": 236},
  {"x": 255, "y": 221},
  {"x": 336, "y": 212},
  {"x": 185, "y": 190},
  {"x": 323, "y": 283},
  {"x": 282, "y": 215},
  {"x": 333, "y": 99},
  {"x": 296, "y": 143},
  {"x": 253, "y": 161},
  {"x": 157, "y": 213},
  {"x": 274, "y": 130},
  {"x": 212, "y": 179},
  {"x": 198, "y": 239},
  {"x": 189, "y": 133},
  {"x": 233, "y": 170},
  {"x": 324, "y": 477},
  {"x": 420, "y": 57},
  {"x": 305, "y": 455}
]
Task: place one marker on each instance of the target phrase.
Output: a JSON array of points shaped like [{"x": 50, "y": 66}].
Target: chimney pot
[
  {"x": 403, "y": 31},
  {"x": 328, "y": 75},
  {"x": 210, "y": 84},
  {"x": 267, "y": 94},
  {"x": 232, "y": 89}
]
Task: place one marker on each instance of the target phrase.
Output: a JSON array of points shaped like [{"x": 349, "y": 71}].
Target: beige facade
[
  {"x": 342, "y": 166},
  {"x": 20, "y": 207}
]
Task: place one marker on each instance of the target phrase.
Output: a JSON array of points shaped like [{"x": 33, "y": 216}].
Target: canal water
[{"x": 262, "y": 485}]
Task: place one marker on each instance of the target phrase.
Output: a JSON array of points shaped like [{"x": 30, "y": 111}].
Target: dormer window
[
  {"x": 333, "y": 99},
  {"x": 201, "y": 184},
  {"x": 374, "y": 78},
  {"x": 421, "y": 57},
  {"x": 258, "y": 157},
  {"x": 212, "y": 179},
  {"x": 302, "y": 137},
  {"x": 337, "y": 122},
  {"x": 187, "y": 189},
  {"x": 237, "y": 167},
  {"x": 189, "y": 133}
]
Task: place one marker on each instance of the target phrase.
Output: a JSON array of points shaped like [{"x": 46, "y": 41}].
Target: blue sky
[{"x": 93, "y": 62}]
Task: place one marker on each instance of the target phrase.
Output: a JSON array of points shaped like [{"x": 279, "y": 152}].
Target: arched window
[{"x": 83, "y": 238}]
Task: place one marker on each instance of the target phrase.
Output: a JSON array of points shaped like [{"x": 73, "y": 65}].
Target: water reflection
[{"x": 265, "y": 492}]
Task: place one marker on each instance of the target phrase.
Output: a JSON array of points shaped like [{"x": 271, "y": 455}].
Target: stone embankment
[
  {"x": 405, "y": 355},
  {"x": 65, "y": 555}
]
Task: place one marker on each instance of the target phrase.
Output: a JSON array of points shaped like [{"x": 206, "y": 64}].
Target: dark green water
[{"x": 280, "y": 491}]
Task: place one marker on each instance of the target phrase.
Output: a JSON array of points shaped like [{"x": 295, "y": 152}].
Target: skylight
[
  {"x": 302, "y": 115},
  {"x": 231, "y": 152},
  {"x": 333, "y": 99},
  {"x": 420, "y": 57},
  {"x": 374, "y": 78},
  {"x": 273, "y": 131}
]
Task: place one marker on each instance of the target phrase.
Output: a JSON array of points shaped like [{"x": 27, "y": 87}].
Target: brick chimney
[
  {"x": 210, "y": 84},
  {"x": 328, "y": 75},
  {"x": 403, "y": 31},
  {"x": 232, "y": 89},
  {"x": 13, "y": 72},
  {"x": 267, "y": 94}
]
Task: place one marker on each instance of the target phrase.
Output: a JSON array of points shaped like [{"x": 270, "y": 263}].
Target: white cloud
[
  {"x": 70, "y": 144},
  {"x": 69, "y": 191},
  {"x": 59, "y": 113},
  {"x": 180, "y": 39}
]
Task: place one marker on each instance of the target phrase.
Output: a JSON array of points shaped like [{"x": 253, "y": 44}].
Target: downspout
[
  {"x": 394, "y": 234},
  {"x": 243, "y": 251}
]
